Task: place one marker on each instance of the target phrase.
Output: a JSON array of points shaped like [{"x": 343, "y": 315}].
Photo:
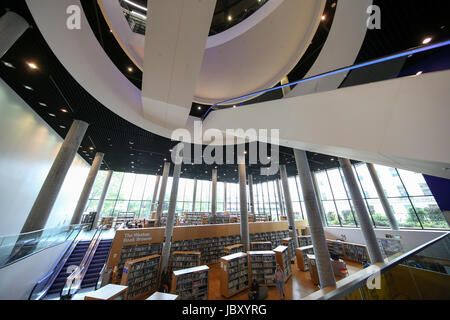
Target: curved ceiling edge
[
  {"x": 341, "y": 48},
  {"x": 81, "y": 54},
  {"x": 119, "y": 27},
  {"x": 259, "y": 58}
]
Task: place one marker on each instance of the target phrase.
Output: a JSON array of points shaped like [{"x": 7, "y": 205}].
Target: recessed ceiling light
[
  {"x": 62, "y": 127},
  {"x": 332, "y": 159},
  {"x": 131, "y": 142},
  {"x": 32, "y": 65},
  {"x": 9, "y": 65},
  {"x": 64, "y": 110},
  {"x": 42, "y": 104},
  {"x": 324, "y": 17},
  {"x": 52, "y": 115},
  {"x": 170, "y": 150},
  {"x": 199, "y": 108},
  {"x": 91, "y": 148},
  {"x": 419, "y": 73},
  {"x": 130, "y": 69},
  {"x": 165, "y": 159},
  {"x": 230, "y": 18},
  {"x": 234, "y": 106},
  {"x": 131, "y": 154},
  {"x": 245, "y": 151},
  {"x": 28, "y": 88},
  {"x": 427, "y": 40}
]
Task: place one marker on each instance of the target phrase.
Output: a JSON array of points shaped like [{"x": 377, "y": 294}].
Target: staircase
[
  {"x": 99, "y": 259},
  {"x": 74, "y": 259}
]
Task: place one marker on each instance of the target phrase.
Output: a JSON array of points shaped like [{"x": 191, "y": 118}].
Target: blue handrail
[{"x": 344, "y": 69}]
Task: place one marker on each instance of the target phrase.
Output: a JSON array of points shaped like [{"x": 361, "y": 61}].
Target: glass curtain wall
[{"x": 408, "y": 194}]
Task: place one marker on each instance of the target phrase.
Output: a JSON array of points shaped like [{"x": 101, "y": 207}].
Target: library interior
[{"x": 258, "y": 150}]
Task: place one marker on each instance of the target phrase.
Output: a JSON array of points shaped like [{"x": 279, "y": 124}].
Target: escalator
[
  {"x": 98, "y": 261},
  {"x": 74, "y": 259}
]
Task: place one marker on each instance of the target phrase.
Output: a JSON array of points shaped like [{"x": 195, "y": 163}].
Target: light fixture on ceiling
[
  {"x": 28, "y": 88},
  {"x": 170, "y": 150},
  {"x": 419, "y": 73},
  {"x": 131, "y": 154},
  {"x": 165, "y": 159},
  {"x": 130, "y": 69},
  {"x": 323, "y": 17},
  {"x": 32, "y": 65},
  {"x": 245, "y": 151},
  {"x": 9, "y": 65},
  {"x": 91, "y": 148},
  {"x": 62, "y": 127},
  {"x": 137, "y": 14},
  {"x": 230, "y": 18},
  {"x": 199, "y": 108},
  {"x": 64, "y": 110},
  {"x": 136, "y": 5},
  {"x": 234, "y": 106},
  {"x": 130, "y": 142},
  {"x": 52, "y": 115},
  {"x": 42, "y": 104},
  {"x": 332, "y": 159},
  {"x": 427, "y": 40}
]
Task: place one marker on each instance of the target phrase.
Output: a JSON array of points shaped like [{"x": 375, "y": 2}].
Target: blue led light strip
[{"x": 356, "y": 66}]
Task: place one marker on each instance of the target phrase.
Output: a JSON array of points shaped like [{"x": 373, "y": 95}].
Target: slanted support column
[
  {"x": 162, "y": 193},
  {"x": 289, "y": 209},
  {"x": 280, "y": 198},
  {"x": 286, "y": 89},
  {"x": 172, "y": 206},
  {"x": 155, "y": 194},
  {"x": 37, "y": 218},
  {"x": 384, "y": 201},
  {"x": 12, "y": 26},
  {"x": 102, "y": 197},
  {"x": 224, "y": 196},
  {"x": 361, "y": 211},
  {"x": 324, "y": 268},
  {"x": 245, "y": 238},
  {"x": 319, "y": 201},
  {"x": 214, "y": 194},
  {"x": 84, "y": 196},
  {"x": 195, "y": 194},
  {"x": 252, "y": 200}
]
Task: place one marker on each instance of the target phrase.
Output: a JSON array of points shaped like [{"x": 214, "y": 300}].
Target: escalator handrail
[
  {"x": 77, "y": 275},
  {"x": 51, "y": 276}
]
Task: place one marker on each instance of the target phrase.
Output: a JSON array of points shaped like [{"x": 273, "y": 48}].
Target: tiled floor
[{"x": 298, "y": 286}]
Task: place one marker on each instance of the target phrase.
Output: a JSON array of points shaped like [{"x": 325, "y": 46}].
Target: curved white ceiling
[{"x": 258, "y": 52}]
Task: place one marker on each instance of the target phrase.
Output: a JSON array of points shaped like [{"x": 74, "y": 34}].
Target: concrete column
[
  {"x": 195, "y": 195},
  {"x": 245, "y": 238},
  {"x": 84, "y": 197},
  {"x": 280, "y": 199},
  {"x": 102, "y": 197},
  {"x": 361, "y": 211},
  {"x": 252, "y": 199},
  {"x": 171, "y": 211},
  {"x": 37, "y": 218},
  {"x": 324, "y": 269},
  {"x": 289, "y": 209},
  {"x": 224, "y": 196},
  {"x": 12, "y": 27},
  {"x": 319, "y": 201},
  {"x": 162, "y": 193},
  {"x": 214, "y": 194},
  {"x": 155, "y": 194},
  {"x": 384, "y": 201}
]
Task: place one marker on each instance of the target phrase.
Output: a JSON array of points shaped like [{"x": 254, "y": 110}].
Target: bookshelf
[
  {"x": 193, "y": 218},
  {"x": 136, "y": 252},
  {"x": 335, "y": 247},
  {"x": 289, "y": 242},
  {"x": 304, "y": 241},
  {"x": 141, "y": 276},
  {"x": 107, "y": 222},
  {"x": 313, "y": 269},
  {"x": 284, "y": 260},
  {"x": 233, "y": 274},
  {"x": 191, "y": 283},
  {"x": 348, "y": 251},
  {"x": 184, "y": 259},
  {"x": 235, "y": 248},
  {"x": 301, "y": 256},
  {"x": 262, "y": 265},
  {"x": 261, "y": 246}
]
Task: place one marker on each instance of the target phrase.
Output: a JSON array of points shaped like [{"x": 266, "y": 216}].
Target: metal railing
[
  {"x": 73, "y": 282},
  {"x": 239, "y": 101}
]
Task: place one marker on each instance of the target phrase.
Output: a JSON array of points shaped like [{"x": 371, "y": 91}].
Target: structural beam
[
  {"x": 195, "y": 194},
  {"x": 289, "y": 209},
  {"x": 382, "y": 195},
  {"x": 162, "y": 193},
  {"x": 214, "y": 194},
  {"x": 46, "y": 198},
  {"x": 324, "y": 268},
  {"x": 155, "y": 194},
  {"x": 102, "y": 197},
  {"x": 362, "y": 212},
  {"x": 252, "y": 199},
  {"x": 245, "y": 238}
]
